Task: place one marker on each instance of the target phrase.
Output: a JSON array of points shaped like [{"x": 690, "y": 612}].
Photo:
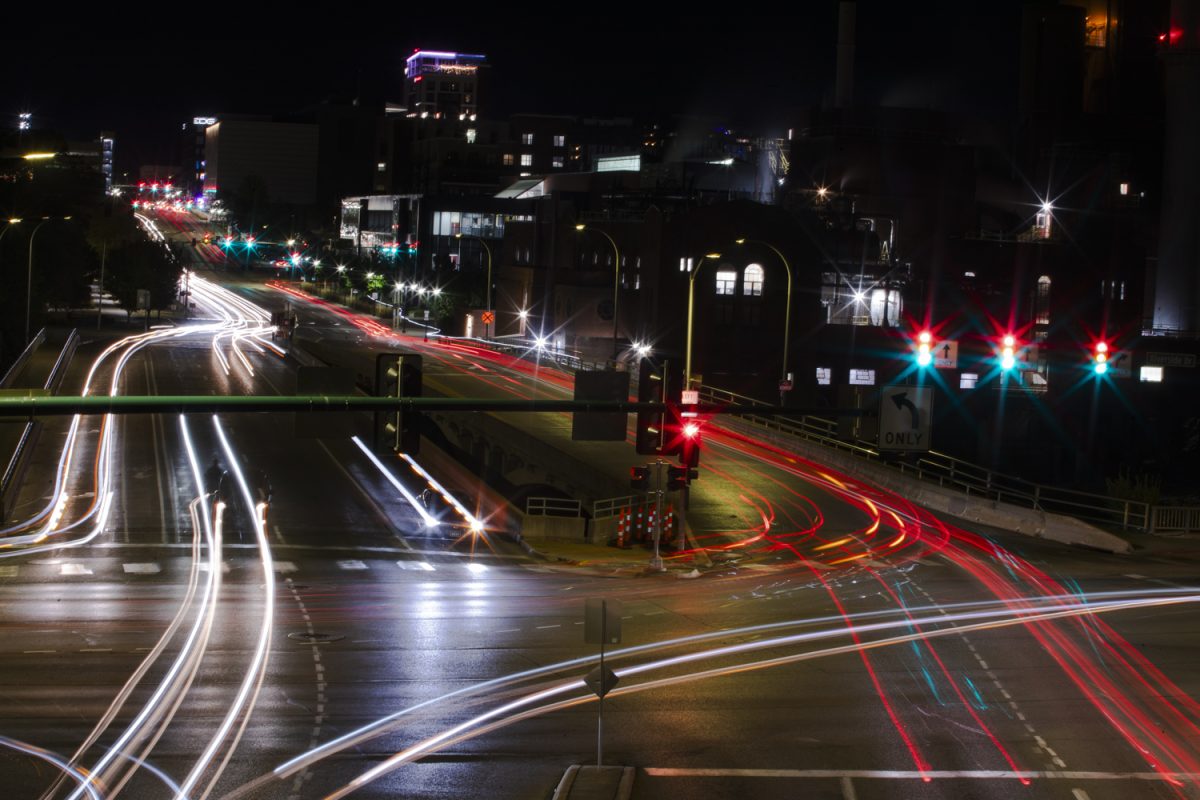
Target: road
[{"x": 858, "y": 647}]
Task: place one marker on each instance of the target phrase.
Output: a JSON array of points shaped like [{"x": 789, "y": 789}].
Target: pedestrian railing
[
  {"x": 613, "y": 506},
  {"x": 553, "y": 507},
  {"x": 1175, "y": 519}
]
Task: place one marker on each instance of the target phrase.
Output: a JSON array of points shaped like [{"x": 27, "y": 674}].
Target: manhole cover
[{"x": 304, "y": 636}]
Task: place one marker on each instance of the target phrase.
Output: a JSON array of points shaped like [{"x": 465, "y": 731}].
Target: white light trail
[{"x": 418, "y": 506}]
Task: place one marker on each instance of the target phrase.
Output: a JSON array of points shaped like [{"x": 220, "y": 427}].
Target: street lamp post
[
  {"x": 488, "y": 301},
  {"x": 616, "y": 280},
  {"x": 787, "y": 314},
  {"x": 29, "y": 276},
  {"x": 687, "y": 361}
]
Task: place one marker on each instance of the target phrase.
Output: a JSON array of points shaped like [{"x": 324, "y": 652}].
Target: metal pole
[
  {"x": 687, "y": 361},
  {"x": 29, "y": 281},
  {"x": 600, "y": 706},
  {"x": 656, "y": 562},
  {"x": 100, "y": 288}
]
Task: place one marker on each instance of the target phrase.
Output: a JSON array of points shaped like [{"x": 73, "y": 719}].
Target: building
[
  {"x": 443, "y": 85},
  {"x": 280, "y": 158}
]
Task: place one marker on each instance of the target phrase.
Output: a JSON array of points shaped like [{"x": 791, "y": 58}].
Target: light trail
[
  {"x": 511, "y": 712},
  {"x": 247, "y": 694},
  {"x": 418, "y": 506}
]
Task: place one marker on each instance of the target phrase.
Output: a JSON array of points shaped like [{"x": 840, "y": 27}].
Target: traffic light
[
  {"x": 655, "y": 385},
  {"x": 1100, "y": 358},
  {"x": 924, "y": 351},
  {"x": 1008, "y": 352},
  {"x": 639, "y": 478},
  {"x": 398, "y": 375},
  {"x": 679, "y": 477},
  {"x": 689, "y": 450}
]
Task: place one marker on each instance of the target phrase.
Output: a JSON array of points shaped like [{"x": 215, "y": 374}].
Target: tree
[{"x": 142, "y": 265}]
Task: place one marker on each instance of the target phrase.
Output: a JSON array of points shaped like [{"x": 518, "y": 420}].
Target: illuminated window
[
  {"x": 507, "y": 159},
  {"x": 470, "y": 136},
  {"x": 968, "y": 380},
  {"x": 1151, "y": 375},
  {"x": 862, "y": 377},
  {"x": 685, "y": 265},
  {"x": 558, "y": 162},
  {"x": 726, "y": 282},
  {"x": 752, "y": 281},
  {"x": 526, "y": 160},
  {"x": 560, "y": 140},
  {"x": 824, "y": 376},
  {"x": 381, "y": 166},
  {"x": 1124, "y": 188},
  {"x": 1041, "y": 301},
  {"x": 526, "y": 138}
]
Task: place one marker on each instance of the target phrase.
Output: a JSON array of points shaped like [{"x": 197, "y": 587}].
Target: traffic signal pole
[{"x": 656, "y": 562}]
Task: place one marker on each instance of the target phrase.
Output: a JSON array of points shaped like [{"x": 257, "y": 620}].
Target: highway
[{"x": 334, "y": 642}]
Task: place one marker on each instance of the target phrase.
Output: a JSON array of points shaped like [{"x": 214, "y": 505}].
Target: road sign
[
  {"x": 601, "y": 681},
  {"x": 488, "y": 317},
  {"x": 945, "y": 354},
  {"x": 602, "y": 621},
  {"x": 904, "y": 418}
]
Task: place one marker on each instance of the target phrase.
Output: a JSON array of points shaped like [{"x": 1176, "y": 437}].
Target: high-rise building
[{"x": 439, "y": 83}]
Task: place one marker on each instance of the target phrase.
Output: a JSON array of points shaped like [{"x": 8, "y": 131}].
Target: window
[
  {"x": 968, "y": 380},
  {"x": 560, "y": 141},
  {"x": 526, "y": 160},
  {"x": 752, "y": 281},
  {"x": 862, "y": 377},
  {"x": 526, "y": 138},
  {"x": 507, "y": 160},
  {"x": 1041, "y": 301},
  {"x": 1151, "y": 375},
  {"x": 470, "y": 136},
  {"x": 686, "y": 264},
  {"x": 558, "y": 162},
  {"x": 726, "y": 282},
  {"x": 381, "y": 166},
  {"x": 824, "y": 376}
]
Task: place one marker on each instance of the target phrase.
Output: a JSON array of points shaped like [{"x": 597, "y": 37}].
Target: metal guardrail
[
  {"x": 611, "y": 506},
  {"x": 1175, "y": 519},
  {"x": 15, "y": 369},
  {"x": 53, "y": 381},
  {"x": 553, "y": 507},
  {"x": 958, "y": 475}
]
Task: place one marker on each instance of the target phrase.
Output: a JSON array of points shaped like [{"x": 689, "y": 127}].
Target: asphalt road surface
[{"x": 333, "y": 641}]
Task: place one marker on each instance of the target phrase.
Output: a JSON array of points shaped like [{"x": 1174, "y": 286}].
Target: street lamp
[
  {"x": 29, "y": 276},
  {"x": 488, "y": 302},
  {"x": 616, "y": 279},
  {"x": 787, "y": 316},
  {"x": 687, "y": 361}
]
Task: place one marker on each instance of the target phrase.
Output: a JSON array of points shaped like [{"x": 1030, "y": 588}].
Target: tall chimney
[{"x": 844, "y": 90}]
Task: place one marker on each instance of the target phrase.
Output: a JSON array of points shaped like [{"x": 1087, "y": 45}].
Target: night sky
[{"x": 142, "y": 81}]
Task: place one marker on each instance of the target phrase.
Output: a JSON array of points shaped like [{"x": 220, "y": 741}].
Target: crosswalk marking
[
  {"x": 285, "y": 567},
  {"x": 204, "y": 567},
  {"x": 9, "y": 571},
  {"x": 352, "y": 564},
  {"x": 141, "y": 569},
  {"x": 71, "y": 568}
]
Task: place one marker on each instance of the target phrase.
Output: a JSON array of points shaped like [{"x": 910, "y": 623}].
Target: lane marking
[
  {"x": 1080, "y": 794},
  {"x": 913, "y": 775},
  {"x": 351, "y": 564},
  {"x": 142, "y": 568},
  {"x": 285, "y": 567},
  {"x": 74, "y": 569},
  {"x": 224, "y": 567},
  {"x": 9, "y": 571}
]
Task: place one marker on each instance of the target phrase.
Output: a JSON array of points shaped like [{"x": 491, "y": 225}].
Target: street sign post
[
  {"x": 905, "y": 418},
  {"x": 601, "y": 625}
]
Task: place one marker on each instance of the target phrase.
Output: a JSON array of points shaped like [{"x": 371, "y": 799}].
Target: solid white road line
[{"x": 914, "y": 775}]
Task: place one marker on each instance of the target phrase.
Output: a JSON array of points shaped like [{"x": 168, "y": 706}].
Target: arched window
[
  {"x": 752, "y": 280},
  {"x": 1041, "y": 301}
]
